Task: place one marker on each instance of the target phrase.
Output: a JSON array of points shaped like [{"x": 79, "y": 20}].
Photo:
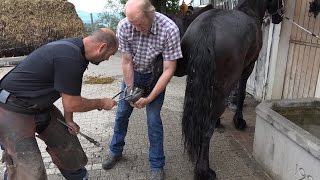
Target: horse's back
[
  {"x": 225, "y": 36},
  {"x": 223, "y": 23},
  {"x": 225, "y": 31}
]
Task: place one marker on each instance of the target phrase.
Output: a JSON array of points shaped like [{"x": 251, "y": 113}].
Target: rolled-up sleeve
[{"x": 172, "y": 49}]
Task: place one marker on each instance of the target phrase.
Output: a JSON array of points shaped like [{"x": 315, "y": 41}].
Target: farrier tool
[
  {"x": 130, "y": 94},
  {"x": 99, "y": 109},
  {"x": 133, "y": 94},
  {"x": 125, "y": 89},
  {"x": 96, "y": 143}
]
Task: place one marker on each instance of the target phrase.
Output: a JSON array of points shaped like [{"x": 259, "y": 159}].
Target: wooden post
[{"x": 91, "y": 17}]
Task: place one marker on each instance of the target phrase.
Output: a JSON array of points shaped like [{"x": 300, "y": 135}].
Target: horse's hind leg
[
  {"x": 238, "y": 120},
  {"x": 202, "y": 169}
]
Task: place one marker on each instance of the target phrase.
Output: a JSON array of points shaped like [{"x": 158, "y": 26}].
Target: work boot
[
  {"x": 110, "y": 161},
  {"x": 157, "y": 175}
]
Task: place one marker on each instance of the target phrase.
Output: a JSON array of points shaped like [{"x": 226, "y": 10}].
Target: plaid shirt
[{"x": 163, "y": 38}]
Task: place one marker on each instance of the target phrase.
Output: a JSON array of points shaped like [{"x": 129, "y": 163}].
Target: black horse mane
[
  {"x": 245, "y": 7},
  {"x": 314, "y": 7}
]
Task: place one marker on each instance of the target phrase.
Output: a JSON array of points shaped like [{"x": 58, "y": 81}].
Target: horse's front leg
[
  {"x": 202, "y": 169},
  {"x": 238, "y": 120}
]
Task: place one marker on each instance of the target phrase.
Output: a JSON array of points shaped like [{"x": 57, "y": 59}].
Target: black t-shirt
[{"x": 51, "y": 69}]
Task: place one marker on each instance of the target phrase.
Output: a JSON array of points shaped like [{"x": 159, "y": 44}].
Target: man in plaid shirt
[{"x": 143, "y": 35}]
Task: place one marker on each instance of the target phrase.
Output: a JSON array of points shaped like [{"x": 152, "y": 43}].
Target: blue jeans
[{"x": 155, "y": 128}]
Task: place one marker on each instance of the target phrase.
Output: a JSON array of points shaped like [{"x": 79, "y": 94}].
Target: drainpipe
[
  {"x": 271, "y": 84},
  {"x": 268, "y": 60},
  {"x": 317, "y": 95}
]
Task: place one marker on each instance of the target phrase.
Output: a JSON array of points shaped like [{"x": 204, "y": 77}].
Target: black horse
[{"x": 220, "y": 48}]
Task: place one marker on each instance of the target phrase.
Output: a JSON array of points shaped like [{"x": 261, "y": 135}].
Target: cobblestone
[{"x": 230, "y": 149}]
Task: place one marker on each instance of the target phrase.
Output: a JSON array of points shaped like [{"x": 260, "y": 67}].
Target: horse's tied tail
[{"x": 200, "y": 92}]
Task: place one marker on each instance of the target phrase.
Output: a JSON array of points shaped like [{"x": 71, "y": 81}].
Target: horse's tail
[{"x": 200, "y": 91}]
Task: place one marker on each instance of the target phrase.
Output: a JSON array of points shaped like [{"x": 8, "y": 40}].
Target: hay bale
[{"x": 28, "y": 24}]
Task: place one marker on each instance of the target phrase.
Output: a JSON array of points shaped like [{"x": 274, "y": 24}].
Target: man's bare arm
[
  {"x": 80, "y": 104},
  {"x": 168, "y": 71},
  {"x": 127, "y": 69}
]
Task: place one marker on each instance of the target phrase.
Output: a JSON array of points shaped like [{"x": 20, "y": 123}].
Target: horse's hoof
[
  {"x": 208, "y": 175},
  {"x": 212, "y": 174},
  {"x": 232, "y": 107},
  {"x": 240, "y": 124}
]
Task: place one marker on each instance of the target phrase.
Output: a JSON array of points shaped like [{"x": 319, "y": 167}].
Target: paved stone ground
[{"x": 230, "y": 149}]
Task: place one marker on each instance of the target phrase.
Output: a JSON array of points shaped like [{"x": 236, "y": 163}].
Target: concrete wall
[{"x": 284, "y": 150}]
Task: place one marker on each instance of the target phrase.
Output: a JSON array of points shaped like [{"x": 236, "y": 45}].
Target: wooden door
[{"x": 302, "y": 70}]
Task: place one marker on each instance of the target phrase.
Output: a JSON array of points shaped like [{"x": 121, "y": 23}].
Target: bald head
[
  {"x": 139, "y": 9},
  {"x": 100, "y": 45},
  {"x": 105, "y": 35},
  {"x": 140, "y": 14}
]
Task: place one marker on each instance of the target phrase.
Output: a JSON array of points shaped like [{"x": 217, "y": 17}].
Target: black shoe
[{"x": 110, "y": 161}]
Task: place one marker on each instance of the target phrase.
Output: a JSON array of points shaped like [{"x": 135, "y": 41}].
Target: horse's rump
[
  {"x": 216, "y": 43},
  {"x": 234, "y": 35}
]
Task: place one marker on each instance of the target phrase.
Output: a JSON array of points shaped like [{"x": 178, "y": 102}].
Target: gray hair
[{"x": 145, "y": 6}]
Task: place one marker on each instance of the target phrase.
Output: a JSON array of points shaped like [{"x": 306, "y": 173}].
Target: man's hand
[
  {"x": 141, "y": 103},
  {"x": 108, "y": 103},
  {"x": 74, "y": 127}
]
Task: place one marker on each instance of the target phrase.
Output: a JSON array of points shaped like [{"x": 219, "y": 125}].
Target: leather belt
[{"x": 12, "y": 103}]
